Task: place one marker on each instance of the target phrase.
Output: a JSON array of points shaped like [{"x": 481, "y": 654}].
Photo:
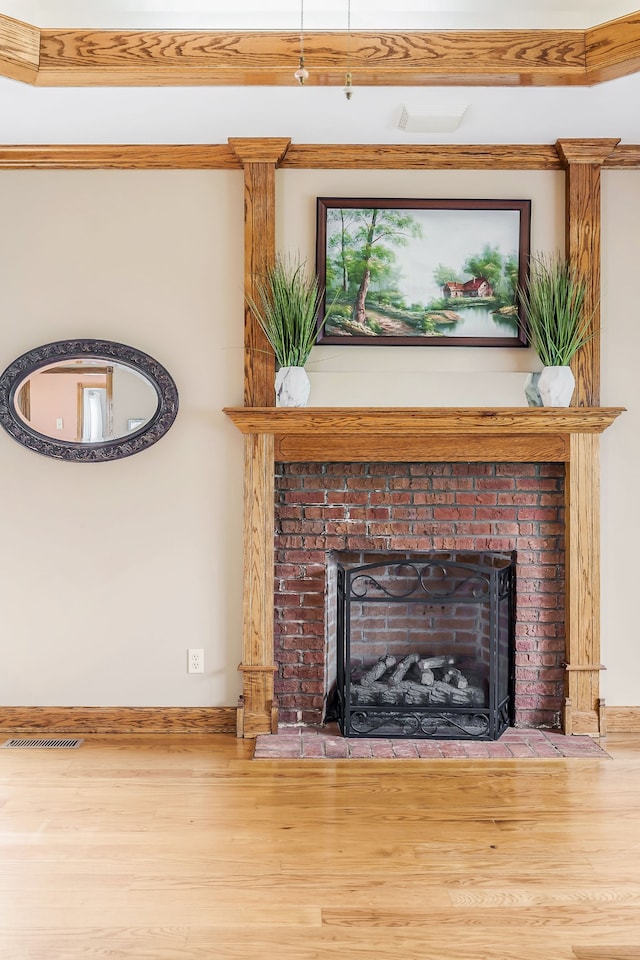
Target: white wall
[
  {"x": 110, "y": 571},
  {"x": 417, "y": 376},
  {"x": 620, "y": 446}
]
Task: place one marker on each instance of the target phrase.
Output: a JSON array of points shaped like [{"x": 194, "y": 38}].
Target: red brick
[
  {"x": 472, "y": 528},
  {"x": 390, "y": 498},
  {"x": 347, "y": 469},
  {"x": 454, "y": 513},
  {"x": 495, "y": 513},
  {"x": 473, "y": 498},
  {"x": 473, "y": 469},
  {"x": 433, "y": 498},
  {"x": 452, "y": 483},
  {"x": 365, "y": 483},
  {"x": 495, "y": 483},
  {"x": 419, "y": 490},
  {"x": 516, "y": 469}
]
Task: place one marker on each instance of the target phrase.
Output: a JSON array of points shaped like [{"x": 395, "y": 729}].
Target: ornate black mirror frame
[{"x": 78, "y": 452}]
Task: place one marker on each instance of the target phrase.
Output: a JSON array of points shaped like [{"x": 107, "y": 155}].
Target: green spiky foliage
[
  {"x": 552, "y": 307},
  {"x": 287, "y": 307}
]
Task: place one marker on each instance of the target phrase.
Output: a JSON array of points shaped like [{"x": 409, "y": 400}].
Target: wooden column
[
  {"x": 582, "y": 571},
  {"x": 257, "y": 710},
  {"x": 259, "y": 159},
  {"x": 583, "y": 161}
]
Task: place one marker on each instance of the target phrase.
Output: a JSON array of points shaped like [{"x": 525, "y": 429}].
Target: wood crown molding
[
  {"x": 68, "y": 57},
  {"x": 307, "y": 156}
]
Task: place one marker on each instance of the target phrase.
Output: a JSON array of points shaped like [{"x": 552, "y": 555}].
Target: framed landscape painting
[{"x": 421, "y": 272}]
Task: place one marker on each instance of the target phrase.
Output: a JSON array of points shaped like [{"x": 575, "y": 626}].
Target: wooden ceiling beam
[
  {"x": 491, "y": 57},
  {"x": 19, "y": 50},
  {"x": 613, "y": 49},
  {"x": 68, "y": 57}
]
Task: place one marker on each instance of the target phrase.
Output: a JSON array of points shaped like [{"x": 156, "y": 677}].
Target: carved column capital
[
  {"x": 586, "y": 151},
  {"x": 260, "y": 149}
]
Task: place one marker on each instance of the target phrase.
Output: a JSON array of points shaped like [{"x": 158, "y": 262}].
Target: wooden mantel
[
  {"x": 569, "y": 435},
  {"x": 403, "y": 434}
]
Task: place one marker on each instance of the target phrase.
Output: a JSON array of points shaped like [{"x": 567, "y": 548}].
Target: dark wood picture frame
[{"x": 379, "y": 262}]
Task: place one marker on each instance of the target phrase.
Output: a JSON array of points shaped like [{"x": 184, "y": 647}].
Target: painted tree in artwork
[
  {"x": 362, "y": 241},
  {"x": 501, "y": 271}
]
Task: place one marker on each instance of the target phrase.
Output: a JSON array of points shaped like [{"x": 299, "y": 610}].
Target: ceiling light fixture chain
[
  {"x": 348, "y": 82},
  {"x": 301, "y": 73}
]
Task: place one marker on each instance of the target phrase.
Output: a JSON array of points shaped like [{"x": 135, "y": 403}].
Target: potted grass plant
[
  {"x": 555, "y": 324},
  {"x": 287, "y": 307}
]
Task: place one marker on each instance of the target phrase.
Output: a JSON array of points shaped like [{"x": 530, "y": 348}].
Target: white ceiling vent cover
[
  {"x": 437, "y": 119},
  {"x": 43, "y": 744}
]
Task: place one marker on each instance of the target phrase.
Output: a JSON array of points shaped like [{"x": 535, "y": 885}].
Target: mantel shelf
[
  {"x": 405, "y": 434},
  {"x": 392, "y": 421}
]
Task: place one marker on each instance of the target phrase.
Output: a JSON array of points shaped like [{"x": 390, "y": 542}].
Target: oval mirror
[{"x": 87, "y": 400}]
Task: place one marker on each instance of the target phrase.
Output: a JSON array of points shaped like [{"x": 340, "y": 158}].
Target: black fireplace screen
[{"x": 425, "y": 646}]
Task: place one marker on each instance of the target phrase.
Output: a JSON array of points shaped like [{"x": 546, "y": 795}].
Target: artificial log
[
  {"x": 407, "y": 684},
  {"x": 435, "y": 663},
  {"x": 446, "y": 693},
  {"x": 403, "y": 668},
  {"x": 378, "y": 670},
  {"x": 456, "y": 678}
]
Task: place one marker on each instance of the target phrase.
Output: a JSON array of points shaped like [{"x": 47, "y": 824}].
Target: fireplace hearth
[{"x": 425, "y": 646}]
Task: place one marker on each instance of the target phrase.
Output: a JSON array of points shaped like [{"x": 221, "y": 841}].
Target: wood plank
[
  {"x": 612, "y": 951},
  {"x": 623, "y": 719},
  {"x": 19, "y": 50},
  {"x": 613, "y": 49},
  {"x": 119, "y": 720},
  {"x": 583, "y": 160},
  {"x": 397, "y": 421},
  {"x": 144, "y": 57},
  {"x": 119, "y": 157},
  {"x": 359, "y": 448},
  {"x": 182, "y": 846},
  {"x": 422, "y": 157}
]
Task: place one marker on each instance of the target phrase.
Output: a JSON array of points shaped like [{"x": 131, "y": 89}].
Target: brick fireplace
[
  {"x": 323, "y": 509},
  {"x": 540, "y": 440}
]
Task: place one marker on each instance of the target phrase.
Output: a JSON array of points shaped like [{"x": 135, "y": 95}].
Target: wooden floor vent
[{"x": 43, "y": 744}]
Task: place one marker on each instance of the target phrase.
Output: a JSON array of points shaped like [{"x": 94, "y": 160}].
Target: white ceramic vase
[
  {"x": 292, "y": 387},
  {"x": 556, "y": 386},
  {"x": 531, "y": 391}
]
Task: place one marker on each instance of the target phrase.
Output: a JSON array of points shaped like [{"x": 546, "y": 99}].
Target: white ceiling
[
  {"x": 318, "y": 14},
  {"x": 313, "y": 114}
]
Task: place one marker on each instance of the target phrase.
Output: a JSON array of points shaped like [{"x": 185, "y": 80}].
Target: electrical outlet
[{"x": 195, "y": 661}]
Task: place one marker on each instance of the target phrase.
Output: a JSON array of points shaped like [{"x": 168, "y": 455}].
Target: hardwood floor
[{"x": 173, "y": 847}]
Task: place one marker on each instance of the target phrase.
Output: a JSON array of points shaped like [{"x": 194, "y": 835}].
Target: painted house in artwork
[{"x": 477, "y": 287}]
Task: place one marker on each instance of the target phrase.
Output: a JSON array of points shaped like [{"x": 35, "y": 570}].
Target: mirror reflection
[{"x": 85, "y": 400}]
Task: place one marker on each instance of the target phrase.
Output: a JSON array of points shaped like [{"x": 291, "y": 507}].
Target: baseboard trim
[
  {"x": 623, "y": 719},
  {"x": 118, "y": 719}
]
